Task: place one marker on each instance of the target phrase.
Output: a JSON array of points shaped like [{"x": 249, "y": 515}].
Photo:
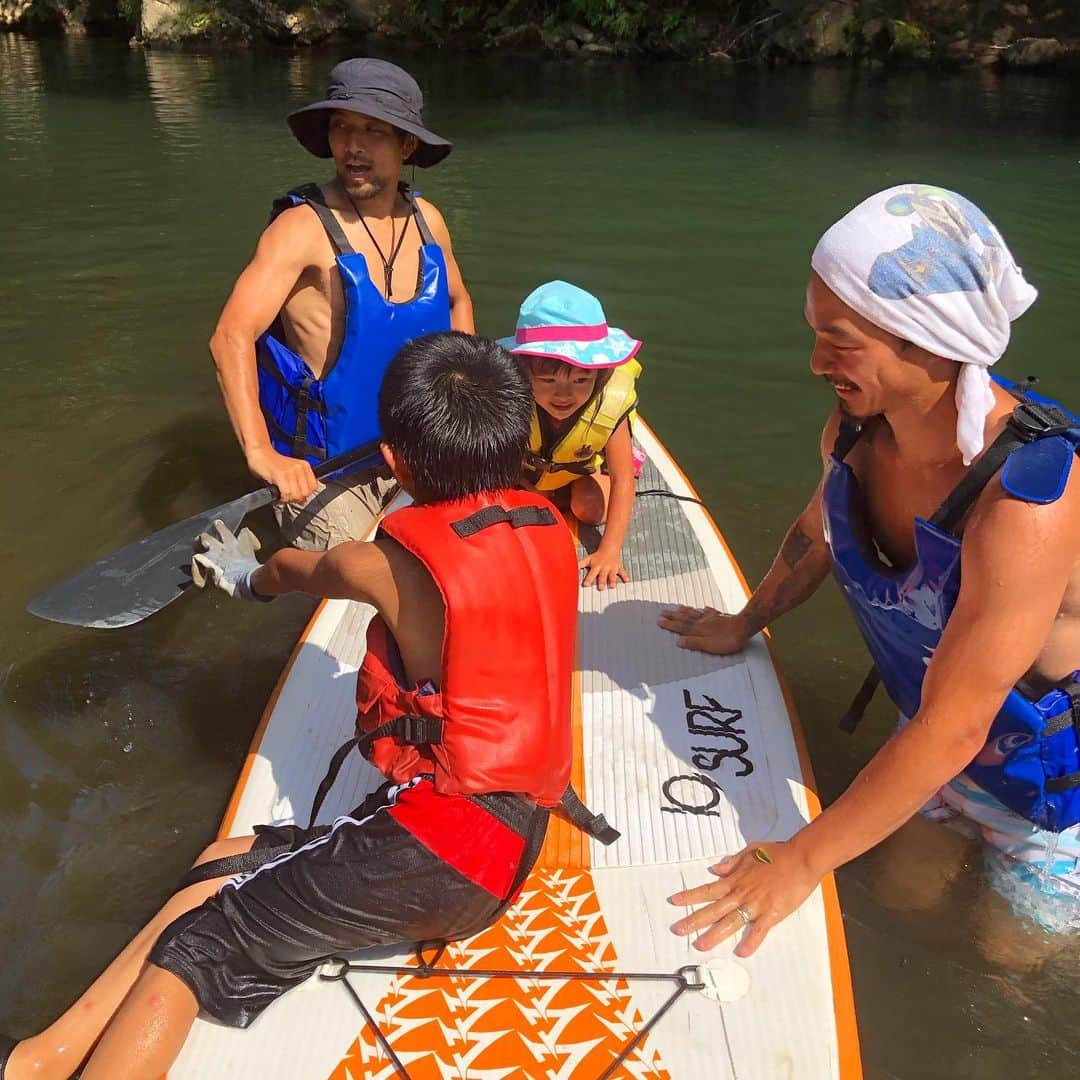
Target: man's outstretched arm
[
  {"x": 1004, "y": 614},
  {"x": 800, "y": 566}
]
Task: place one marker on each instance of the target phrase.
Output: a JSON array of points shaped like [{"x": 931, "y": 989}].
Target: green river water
[{"x": 688, "y": 198}]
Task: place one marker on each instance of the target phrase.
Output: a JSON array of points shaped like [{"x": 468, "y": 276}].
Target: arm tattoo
[
  {"x": 796, "y": 545},
  {"x": 799, "y": 577}
]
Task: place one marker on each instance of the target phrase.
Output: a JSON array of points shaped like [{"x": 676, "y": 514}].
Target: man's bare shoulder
[
  {"x": 294, "y": 235},
  {"x": 1001, "y": 523}
]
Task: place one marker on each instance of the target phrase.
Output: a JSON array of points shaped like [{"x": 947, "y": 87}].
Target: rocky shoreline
[{"x": 1038, "y": 35}]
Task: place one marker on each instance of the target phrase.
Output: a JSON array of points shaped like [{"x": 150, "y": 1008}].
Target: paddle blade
[{"x": 131, "y": 584}]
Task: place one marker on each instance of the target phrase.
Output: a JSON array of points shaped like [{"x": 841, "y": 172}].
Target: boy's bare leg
[
  {"x": 56, "y": 1052},
  {"x": 147, "y": 1032}
]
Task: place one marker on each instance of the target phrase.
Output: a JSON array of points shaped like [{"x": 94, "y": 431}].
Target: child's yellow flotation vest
[{"x": 579, "y": 451}]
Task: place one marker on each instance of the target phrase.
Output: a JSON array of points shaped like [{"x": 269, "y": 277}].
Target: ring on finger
[{"x": 744, "y": 915}]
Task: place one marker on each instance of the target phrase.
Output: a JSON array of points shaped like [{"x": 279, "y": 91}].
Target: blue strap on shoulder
[{"x": 1038, "y": 471}]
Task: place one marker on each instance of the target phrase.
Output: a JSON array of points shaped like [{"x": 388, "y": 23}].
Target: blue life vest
[
  {"x": 1031, "y": 759},
  {"x": 320, "y": 418}
]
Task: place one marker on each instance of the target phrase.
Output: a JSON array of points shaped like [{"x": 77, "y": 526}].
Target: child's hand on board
[{"x": 604, "y": 568}]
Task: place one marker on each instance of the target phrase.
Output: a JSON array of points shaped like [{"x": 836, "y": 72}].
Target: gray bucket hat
[{"x": 375, "y": 88}]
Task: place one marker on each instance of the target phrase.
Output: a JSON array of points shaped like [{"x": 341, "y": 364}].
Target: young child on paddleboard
[
  {"x": 581, "y": 453},
  {"x": 474, "y": 754}
]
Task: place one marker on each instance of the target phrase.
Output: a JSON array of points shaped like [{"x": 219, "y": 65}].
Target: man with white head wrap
[
  {"x": 972, "y": 613},
  {"x": 928, "y": 266}
]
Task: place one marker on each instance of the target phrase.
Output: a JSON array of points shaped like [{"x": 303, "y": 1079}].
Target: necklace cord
[{"x": 395, "y": 247}]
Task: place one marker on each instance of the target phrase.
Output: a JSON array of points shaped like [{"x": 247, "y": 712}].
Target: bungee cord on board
[{"x": 689, "y": 977}]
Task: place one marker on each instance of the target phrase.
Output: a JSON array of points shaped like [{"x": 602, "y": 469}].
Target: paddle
[{"x": 131, "y": 584}]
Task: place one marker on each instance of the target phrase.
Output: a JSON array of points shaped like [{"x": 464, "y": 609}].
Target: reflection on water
[
  {"x": 688, "y": 198},
  {"x": 177, "y": 84},
  {"x": 22, "y": 97}
]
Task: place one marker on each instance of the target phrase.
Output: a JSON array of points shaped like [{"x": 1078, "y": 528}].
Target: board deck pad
[{"x": 690, "y": 756}]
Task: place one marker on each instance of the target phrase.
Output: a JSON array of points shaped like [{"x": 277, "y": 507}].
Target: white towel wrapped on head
[{"x": 927, "y": 265}]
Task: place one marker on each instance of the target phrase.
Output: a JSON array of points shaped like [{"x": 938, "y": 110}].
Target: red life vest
[{"x": 507, "y": 570}]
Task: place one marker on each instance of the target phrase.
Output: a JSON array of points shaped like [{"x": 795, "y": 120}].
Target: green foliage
[
  {"x": 621, "y": 20},
  {"x": 198, "y": 22},
  {"x": 909, "y": 40},
  {"x": 617, "y": 20},
  {"x": 129, "y": 11}
]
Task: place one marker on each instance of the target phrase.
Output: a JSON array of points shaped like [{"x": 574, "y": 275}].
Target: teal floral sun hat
[{"x": 562, "y": 322}]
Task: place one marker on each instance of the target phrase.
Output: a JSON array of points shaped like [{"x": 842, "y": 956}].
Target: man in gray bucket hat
[{"x": 344, "y": 275}]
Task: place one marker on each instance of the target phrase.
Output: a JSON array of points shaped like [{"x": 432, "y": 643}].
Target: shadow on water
[
  {"x": 195, "y": 464},
  {"x": 121, "y": 748}
]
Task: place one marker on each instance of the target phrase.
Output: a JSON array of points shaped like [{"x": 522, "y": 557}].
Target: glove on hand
[{"x": 227, "y": 561}]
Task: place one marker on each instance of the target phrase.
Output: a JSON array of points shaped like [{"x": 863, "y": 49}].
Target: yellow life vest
[{"x": 579, "y": 450}]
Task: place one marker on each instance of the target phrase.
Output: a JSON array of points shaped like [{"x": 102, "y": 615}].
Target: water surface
[{"x": 687, "y": 197}]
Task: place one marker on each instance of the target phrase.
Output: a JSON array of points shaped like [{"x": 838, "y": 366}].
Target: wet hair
[{"x": 457, "y": 408}]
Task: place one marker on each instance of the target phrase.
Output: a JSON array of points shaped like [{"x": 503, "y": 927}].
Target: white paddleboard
[{"x": 689, "y": 756}]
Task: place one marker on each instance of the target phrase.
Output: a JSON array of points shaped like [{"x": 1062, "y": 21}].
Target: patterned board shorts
[{"x": 1036, "y": 871}]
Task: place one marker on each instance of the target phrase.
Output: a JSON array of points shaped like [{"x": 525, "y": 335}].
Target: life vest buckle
[
  {"x": 418, "y": 730},
  {"x": 535, "y": 461},
  {"x": 1033, "y": 420}
]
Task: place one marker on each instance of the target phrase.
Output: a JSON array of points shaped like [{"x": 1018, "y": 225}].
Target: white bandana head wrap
[{"x": 927, "y": 265}]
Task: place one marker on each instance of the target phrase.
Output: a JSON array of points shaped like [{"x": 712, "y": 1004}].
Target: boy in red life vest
[
  {"x": 476, "y": 753},
  {"x": 581, "y": 454}
]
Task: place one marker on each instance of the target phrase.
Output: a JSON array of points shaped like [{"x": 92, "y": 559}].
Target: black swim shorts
[{"x": 407, "y": 865}]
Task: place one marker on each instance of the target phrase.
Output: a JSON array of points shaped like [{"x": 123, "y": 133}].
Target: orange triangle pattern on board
[{"x": 497, "y": 1029}]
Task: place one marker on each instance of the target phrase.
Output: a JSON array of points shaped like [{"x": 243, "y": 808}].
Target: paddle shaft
[
  {"x": 340, "y": 464},
  {"x": 255, "y": 500},
  {"x": 132, "y": 583}
]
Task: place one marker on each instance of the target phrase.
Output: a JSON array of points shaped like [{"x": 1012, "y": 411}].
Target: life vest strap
[
  {"x": 962, "y": 497},
  {"x": 578, "y": 814},
  {"x": 333, "y": 227},
  {"x": 519, "y": 517},
  {"x": 231, "y": 865},
  {"x": 410, "y": 730},
  {"x": 427, "y": 731},
  {"x": 846, "y": 437},
  {"x": 1029, "y": 421},
  {"x": 300, "y": 446},
  {"x": 1057, "y": 784},
  {"x": 857, "y": 709},
  {"x": 312, "y": 195},
  {"x": 295, "y": 440},
  {"x": 542, "y": 464},
  {"x": 305, "y": 403},
  {"x": 424, "y": 229}
]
